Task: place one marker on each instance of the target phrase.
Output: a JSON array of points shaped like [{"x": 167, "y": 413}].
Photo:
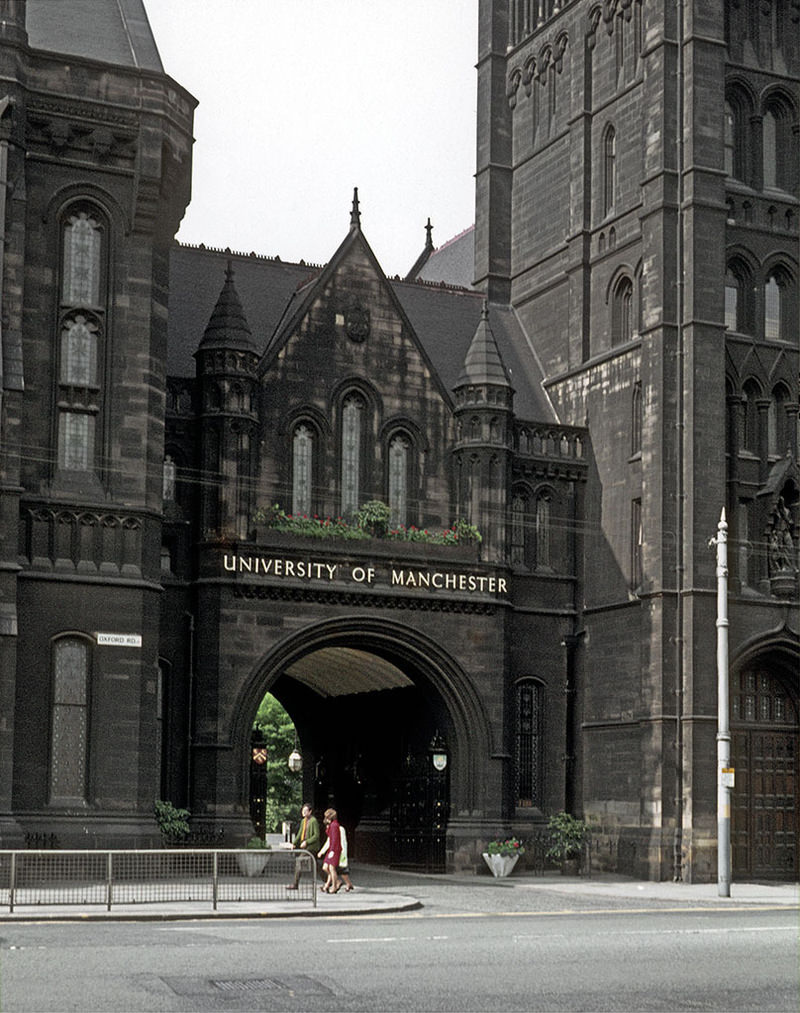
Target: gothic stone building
[{"x": 587, "y": 377}]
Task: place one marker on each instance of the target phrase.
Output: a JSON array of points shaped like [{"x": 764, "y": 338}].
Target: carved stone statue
[{"x": 781, "y": 543}]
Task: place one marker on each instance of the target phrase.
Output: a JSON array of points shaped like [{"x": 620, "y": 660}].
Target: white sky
[{"x": 302, "y": 100}]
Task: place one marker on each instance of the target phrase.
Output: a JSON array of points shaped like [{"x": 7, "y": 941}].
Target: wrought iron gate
[{"x": 419, "y": 813}]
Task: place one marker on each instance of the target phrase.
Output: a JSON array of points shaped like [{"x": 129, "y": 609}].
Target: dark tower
[
  {"x": 484, "y": 416},
  {"x": 637, "y": 190},
  {"x": 226, "y": 372}
]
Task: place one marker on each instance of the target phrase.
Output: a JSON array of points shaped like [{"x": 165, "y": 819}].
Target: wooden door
[{"x": 764, "y": 817}]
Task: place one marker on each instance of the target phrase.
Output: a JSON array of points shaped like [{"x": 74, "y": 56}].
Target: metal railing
[{"x": 78, "y": 878}]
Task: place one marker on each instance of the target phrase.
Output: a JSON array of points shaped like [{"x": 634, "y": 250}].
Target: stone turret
[
  {"x": 484, "y": 414},
  {"x": 227, "y": 359}
]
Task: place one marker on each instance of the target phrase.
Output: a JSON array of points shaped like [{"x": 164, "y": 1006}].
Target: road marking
[
  {"x": 669, "y": 932},
  {"x": 388, "y": 939}
]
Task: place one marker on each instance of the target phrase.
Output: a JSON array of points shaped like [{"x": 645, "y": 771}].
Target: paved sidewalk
[{"x": 394, "y": 891}]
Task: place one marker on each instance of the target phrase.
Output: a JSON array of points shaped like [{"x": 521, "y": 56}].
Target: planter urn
[
  {"x": 251, "y": 863},
  {"x": 500, "y": 865}
]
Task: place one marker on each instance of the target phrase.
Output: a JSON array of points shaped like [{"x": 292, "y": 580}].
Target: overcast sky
[{"x": 302, "y": 100}]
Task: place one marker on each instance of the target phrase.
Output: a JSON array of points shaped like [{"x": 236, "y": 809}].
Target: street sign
[{"x": 119, "y": 639}]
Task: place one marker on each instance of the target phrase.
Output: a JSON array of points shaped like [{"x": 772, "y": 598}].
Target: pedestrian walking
[{"x": 306, "y": 839}]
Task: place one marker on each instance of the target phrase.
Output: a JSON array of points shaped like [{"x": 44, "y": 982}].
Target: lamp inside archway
[{"x": 295, "y": 760}]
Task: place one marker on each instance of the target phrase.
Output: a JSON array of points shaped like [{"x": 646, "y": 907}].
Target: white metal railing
[{"x": 45, "y": 878}]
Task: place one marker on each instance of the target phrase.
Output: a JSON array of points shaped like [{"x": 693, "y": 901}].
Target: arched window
[
  {"x": 70, "y": 722},
  {"x": 399, "y": 452},
  {"x": 543, "y": 530},
  {"x": 622, "y": 312},
  {"x": 529, "y": 751},
  {"x": 779, "y": 306},
  {"x": 777, "y": 422},
  {"x": 731, "y": 301},
  {"x": 738, "y": 297},
  {"x": 352, "y": 437},
  {"x": 637, "y": 417},
  {"x": 637, "y": 542},
  {"x": 749, "y": 431},
  {"x": 81, "y": 339},
  {"x": 519, "y": 511},
  {"x": 609, "y": 170},
  {"x": 79, "y": 352},
  {"x": 169, "y": 474},
  {"x": 82, "y": 260},
  {"x": 778, "y": 147},
  {"x": 302, "y": 469}
]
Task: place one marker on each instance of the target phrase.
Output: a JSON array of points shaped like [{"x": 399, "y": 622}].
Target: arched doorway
[
  {"x": 376, "y": 707},
  {"x": 765, "y": 731}
]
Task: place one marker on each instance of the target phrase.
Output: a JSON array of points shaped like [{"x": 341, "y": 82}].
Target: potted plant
[
  {"x": 173, "y": 823},
  {"x": 567, "y": 835},
  {"x": 502, "y": 856},
  {"x": 252, "y": 861}
]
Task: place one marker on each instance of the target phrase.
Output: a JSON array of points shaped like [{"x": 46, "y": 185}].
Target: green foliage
[
  {"x": 510, "y": 846},
  {"x": 284, "y": 788},
  {"x": 258, "y": 842},
  {"x": 172, "y": 822},
  {"x": 373, "y": 517},
  {"x": 567, "y": 836},
  {"x": 308, "y": 527},
  {"x": 371, "y": 521}
]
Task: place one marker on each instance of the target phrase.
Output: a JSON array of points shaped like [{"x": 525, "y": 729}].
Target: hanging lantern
[{"x": 295, "y": 760}]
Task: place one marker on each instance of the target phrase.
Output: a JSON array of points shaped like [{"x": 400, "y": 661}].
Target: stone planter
[
  {"x": 251, "y": 863},
  {"x": 500, "y": 865}
]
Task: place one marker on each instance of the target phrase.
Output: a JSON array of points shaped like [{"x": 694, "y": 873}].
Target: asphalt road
[{"x": 467, "y": 949}]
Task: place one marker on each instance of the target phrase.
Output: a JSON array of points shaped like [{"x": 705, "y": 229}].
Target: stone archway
[
  {"x": 368, "y": 697},
  {"x": 765, "y": 752}
]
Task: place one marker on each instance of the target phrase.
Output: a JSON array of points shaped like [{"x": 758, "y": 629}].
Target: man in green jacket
[{"x": 307, "y": 839}]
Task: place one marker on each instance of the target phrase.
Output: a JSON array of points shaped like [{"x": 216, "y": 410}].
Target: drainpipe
[
  {"x": 190, "y": 712},
  {"x": 680, "y": 441},
  {"x": 5, "y": 104}
]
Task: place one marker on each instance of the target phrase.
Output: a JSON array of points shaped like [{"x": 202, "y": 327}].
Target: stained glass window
[
  {"x": 352, "y": 416},
  {"x": 528, "y": 766},
  {"x": 70, "y": 720},
  {"x": 302, "y": 461},
  {"x": 398, "y": 480},
  {"x": 82, "y": 248}
]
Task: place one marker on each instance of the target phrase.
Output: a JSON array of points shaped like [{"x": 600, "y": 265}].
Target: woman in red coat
[{"x": 333, "y": 851}]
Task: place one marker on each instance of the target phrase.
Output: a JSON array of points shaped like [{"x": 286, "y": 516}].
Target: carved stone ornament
[{"x": 356, "y": 321}]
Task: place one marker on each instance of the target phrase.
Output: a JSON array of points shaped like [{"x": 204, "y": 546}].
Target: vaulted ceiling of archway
[{"x": 340, "y": 671}]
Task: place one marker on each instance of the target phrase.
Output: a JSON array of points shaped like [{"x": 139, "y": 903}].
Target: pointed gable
[{"x": 350, "y": 303}]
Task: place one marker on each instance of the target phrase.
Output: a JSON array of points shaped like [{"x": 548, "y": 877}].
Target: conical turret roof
[
  {"x": 483, "y": 362},
  {"x": 228, "y": 327}
]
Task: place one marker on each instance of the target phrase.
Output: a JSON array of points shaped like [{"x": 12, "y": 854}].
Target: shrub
[
  {"x": 172, "y": 822},
  {"x": 567, "y": 836}
]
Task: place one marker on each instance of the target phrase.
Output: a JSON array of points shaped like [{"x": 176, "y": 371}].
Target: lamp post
[{"x": 725, "y": 773}]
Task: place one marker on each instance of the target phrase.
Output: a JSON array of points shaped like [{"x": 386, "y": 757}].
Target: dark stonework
[{"x": 624, "y": 367}]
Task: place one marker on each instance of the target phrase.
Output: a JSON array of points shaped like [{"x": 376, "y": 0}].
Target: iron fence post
[
  {"x": 215, "y": 879},
  {"x": 109, "y": 874}
]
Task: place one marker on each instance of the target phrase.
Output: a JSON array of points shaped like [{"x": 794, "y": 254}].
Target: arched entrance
[
  {"x": 376, "y": 707},
  {"x": 765, "y": 733}
]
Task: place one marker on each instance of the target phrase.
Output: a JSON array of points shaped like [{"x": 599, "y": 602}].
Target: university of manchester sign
[{"x": 416, "y": 578}]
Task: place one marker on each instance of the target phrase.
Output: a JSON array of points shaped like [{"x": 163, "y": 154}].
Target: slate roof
[
  {"x": 114, "y": 31},
  {"x": 452, "y": 263},
  {"x": 444, "y": 318},
  {"x": 197, "y": 274}
]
